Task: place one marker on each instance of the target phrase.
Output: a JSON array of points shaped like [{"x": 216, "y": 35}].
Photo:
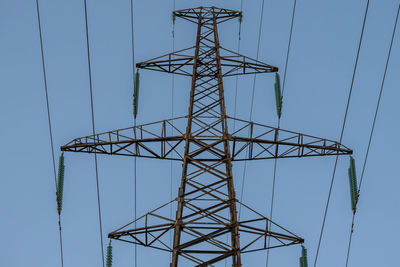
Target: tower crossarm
[
  {"x": 207, "y": 14},
  {"x": 181, "y": 63},
  {"x": 164, "y": 140},
  {"x": 153, "y": 229},
  {"x": 253, "y": 141},
  {"x": 161, "y": 140}
]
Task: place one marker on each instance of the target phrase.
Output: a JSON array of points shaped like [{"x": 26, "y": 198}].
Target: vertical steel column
[
  {"x": 236, "y": 260},
  {"x": 207, "y": 56},
  {"x": 181, "y": 191}
]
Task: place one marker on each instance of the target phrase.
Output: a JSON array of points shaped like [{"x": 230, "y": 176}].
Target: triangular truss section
[
  {"x": 165, "y": 140},
  {"x": 161, "y": 140},
  {"x": 207, "y": 13},
  {"x": 181, "y": 62},
  {"x": 254, "y": 141},
  {"x": 205, "y": 230}
]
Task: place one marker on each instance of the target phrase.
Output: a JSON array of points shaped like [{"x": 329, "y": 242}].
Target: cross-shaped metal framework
[{"x": 206, "y": 228}]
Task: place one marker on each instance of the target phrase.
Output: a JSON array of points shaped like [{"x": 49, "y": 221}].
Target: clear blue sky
[{"x": 324, "y": 46}]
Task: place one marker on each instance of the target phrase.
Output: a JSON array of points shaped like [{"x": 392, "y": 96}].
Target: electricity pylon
[{"x": 206, "y": 228}]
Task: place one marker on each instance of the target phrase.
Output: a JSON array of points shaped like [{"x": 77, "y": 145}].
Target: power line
[
  {"x": 133, "y": 40},
  {"x": 94, "y": 131},
  {"x": 135, "y": 200},
  {"x": 372, "y": 131},
  {"x": 258, "y": 52},
  {"x": 279, "y": 124},
  {"x": 236, "y": 87},
  {"x": 50, "y": 127},
  {"x": 288, "y": 51},
  {"x": 172, "y": 116},
  {"x": 341, "y": 134},
  {"x": 134, "y": 122},
  {"x": 252, "y": 100},
  {"x": 237, "y": 77}
]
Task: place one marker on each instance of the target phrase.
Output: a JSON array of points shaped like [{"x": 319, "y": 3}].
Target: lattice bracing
[
  {"x": 207, "y": 14},
  {"x": 207, "y": 228},
  {"x": 152, "y": 140},
  {"x": 181, "y": 62},
  {"x": 251, "y": 141}
]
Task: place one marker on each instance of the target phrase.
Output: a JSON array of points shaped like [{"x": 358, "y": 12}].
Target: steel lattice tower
[{"x": 206, "y": 227}]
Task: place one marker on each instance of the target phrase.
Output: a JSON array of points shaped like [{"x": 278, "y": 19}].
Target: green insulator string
[
  {"x": 109, "y": 256},
  {"x": 353, "y": 184},
  {"x": 136, "y": 94},
  {"x": 278, "y": 94},
  {"x": 60, "y": 183},
  {"x": 303, "y": 259}
]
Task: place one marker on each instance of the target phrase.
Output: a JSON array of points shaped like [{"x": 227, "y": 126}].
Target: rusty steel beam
[
  {"x": 207, "y": 14},
  {"x": 252, "y": 141},
  {"x": 154, "y": 228},
  {"x": 181, "y": 62}
]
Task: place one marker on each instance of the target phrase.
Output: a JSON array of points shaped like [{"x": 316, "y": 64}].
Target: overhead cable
[
  {"x": 50, "y": 126},
  {"x": 341, "y": 134},
  {"x": 172, "y": 115},
  {"x": 94, "y": 133},
  {"x": 237, "y": 76},
  {"x": 135, "y": 80},
  {"x": 279, "y": 124},
  {"x": 252, "y": 101},
  {"x": 372, "y": 131}
]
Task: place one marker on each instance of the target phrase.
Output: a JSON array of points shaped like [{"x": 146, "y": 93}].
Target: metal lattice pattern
[
  {"x": 206, "y": 228},
  {"x": 153, "y": 140}
]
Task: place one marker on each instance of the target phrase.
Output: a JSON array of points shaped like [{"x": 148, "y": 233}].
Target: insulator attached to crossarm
[
  {"x": 303, "y": 259},
  {"x": 136, "y": 94},
  {"x": 353, "y": 184},
  {"x": 173, "y": 17},
  {"x": 278, "y": 94},
  {"x": 60, "y": 183},
  {"x": 109, "y": 256}
]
